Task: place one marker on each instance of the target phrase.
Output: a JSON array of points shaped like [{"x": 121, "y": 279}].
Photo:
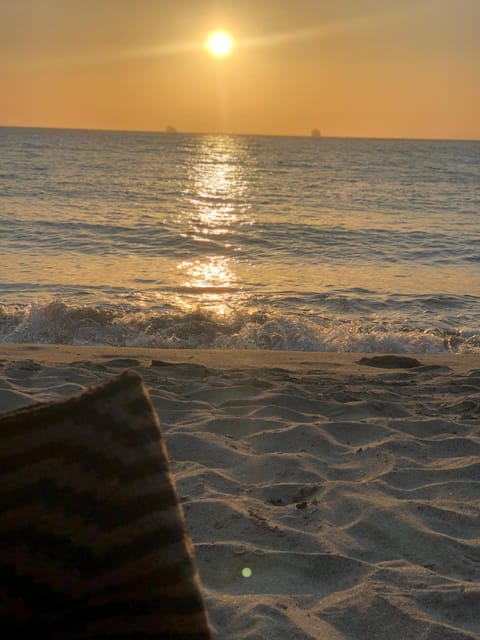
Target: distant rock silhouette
[
  {"x": 316, "y": 133},
  {"x": 170, "y": 129}
]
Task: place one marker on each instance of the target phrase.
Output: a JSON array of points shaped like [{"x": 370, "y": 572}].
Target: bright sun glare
[{"x": 219, "y": 43}]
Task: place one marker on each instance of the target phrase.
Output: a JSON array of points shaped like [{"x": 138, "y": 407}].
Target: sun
[{"x": 219, "y": 43}]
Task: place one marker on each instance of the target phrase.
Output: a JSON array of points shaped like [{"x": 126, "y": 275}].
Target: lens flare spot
[{"x": 246, "y": 572}]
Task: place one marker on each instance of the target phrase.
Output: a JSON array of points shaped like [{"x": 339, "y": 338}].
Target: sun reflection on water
[
  {"x": 211, "y": 279},
  {"x": 216, "y": 204}
]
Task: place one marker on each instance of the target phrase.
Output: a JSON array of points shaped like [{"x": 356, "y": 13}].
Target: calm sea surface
[{"x": 239, "y": 241}]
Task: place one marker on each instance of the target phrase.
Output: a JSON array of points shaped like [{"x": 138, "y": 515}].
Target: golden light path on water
[{"x": 215, "y": 199}]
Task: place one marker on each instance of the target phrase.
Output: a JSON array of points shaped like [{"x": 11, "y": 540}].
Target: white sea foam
[{"x": 61, "y": 323}]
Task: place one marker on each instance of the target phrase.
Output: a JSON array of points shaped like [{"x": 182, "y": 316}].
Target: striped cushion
[{"x": 93, "y": 541}]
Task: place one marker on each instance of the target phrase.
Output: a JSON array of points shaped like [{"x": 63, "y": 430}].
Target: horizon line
[{"x": 230, "y": 133}]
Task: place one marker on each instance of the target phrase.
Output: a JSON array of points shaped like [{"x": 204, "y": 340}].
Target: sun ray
[{"x": 223, "y": 42}]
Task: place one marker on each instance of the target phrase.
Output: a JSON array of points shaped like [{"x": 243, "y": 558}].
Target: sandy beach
[{"x": 328, "y": 495}]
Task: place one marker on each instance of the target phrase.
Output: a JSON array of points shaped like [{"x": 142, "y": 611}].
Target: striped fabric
[{"x": 93, "y": 541}]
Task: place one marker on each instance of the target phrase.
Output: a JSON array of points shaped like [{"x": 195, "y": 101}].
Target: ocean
[{"x": 228, "y": 241}]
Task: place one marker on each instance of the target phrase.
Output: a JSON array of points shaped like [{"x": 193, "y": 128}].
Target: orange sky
[{"x": 380, "y": 68}]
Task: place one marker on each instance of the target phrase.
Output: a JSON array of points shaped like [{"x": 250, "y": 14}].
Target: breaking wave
[{"x": 58, "y": 322}]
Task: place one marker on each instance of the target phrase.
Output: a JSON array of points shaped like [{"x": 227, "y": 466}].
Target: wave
[
  {"x": 311, "y": 243},
  {"x": 58, "y": 322}
]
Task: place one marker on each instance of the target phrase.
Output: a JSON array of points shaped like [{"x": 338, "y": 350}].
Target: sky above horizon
[{"x": 366, "y": 68}]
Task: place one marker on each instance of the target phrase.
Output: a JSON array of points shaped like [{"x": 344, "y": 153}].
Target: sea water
[{"x": 222, "y": 241}]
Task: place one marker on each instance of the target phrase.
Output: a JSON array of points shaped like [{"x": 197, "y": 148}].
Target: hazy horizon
[{"x": 236, "y": 133}]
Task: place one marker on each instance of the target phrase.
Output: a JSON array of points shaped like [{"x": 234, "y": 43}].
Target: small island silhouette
[
  {"x": 315, "y": 133},
  {"x": 170, "y": 129}
]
